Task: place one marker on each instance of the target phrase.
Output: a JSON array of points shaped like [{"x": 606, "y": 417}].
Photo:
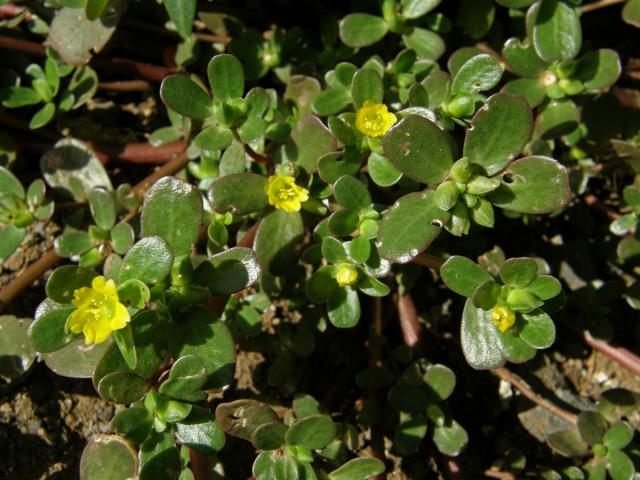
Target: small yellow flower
[
  {"x": 99, "y": 311},
  {"x": 373, "y": 119},
  {"x": 503, "y": 318},
  {"x": 284, "y": 194},
  {"x": 347, "y": 275}
]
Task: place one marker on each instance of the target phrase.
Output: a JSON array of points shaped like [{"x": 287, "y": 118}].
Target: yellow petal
[
  {"x": 75, "y": 321},
  {"x": 81, "y": 296},
  {"x": 98, "y": 283},
  {"x": 120, "y": 318},
  {"x": 103, "y": 331}
]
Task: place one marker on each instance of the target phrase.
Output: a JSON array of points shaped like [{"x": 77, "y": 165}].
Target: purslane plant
[{"x": 314, "y": 199}]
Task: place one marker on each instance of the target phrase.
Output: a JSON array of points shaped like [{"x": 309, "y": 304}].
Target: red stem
[
  {"x": 409, "y": 323},
  {"x": 620, "y": 355}
]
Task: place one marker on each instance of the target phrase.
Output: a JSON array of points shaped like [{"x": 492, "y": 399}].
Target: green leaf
[
  {"x": 359, "y": 468},
  {"x": 545, "y": 287},
  {"x": 200, "y": 432},
  {"x": 428, "y": 45},
  {"x": 208, "y": 338},
  {"x": 240, "y": 194},
  {"x": 477, "y": 74},
  {"x": 557, "y": 35},
  {"x": 159, "y": 457},
  {"x": 73, "y": 243},
  {"x": 486, "y": 295},
  {"x": 450, "y": 438},
  {"x": 537, "y": 330},
  {"x": 334, "y": 165},
  {"x": 172, "y": 210},
  {"x": 382, "y": 171},
  {"x": 437, "y": 85},
  {"x": 276, "y": 241},
  {"x": 620, "y": 466},
  {"x": 312, "y": 432},
  {"x": 321, "y": 285},
  {"x": 187, "y": 376},
  {"x": 214, "y": 138},
  {"x": 9, "y": 184},
  {"x": 592, "y": 426},
  {"x": 64, "y": 281},
  {"x": 229, "y": 271},
  {"x": 331, "y": 101},
  {"x": 533, "y": 184},
  {"x": 103, "y": 207},
  {"x": 463, "y": 275},
  {"x": 182, "y": 14},
  {"x": 74, "y": 168},
  {"x": 486, "y": 144},
  {"x": 184, "y": 96},
  {"x": 108, "y": 457},
  {"x": 47, "y": 331},
  {"x": 76, "y": 360},
  {"x": 241, "y": 418},
  {"x": 514, "y": 348},
  {"x": 124, "y": 340},
  {"x": 122, "y": 237},
  {"x": 76, "y": 39},
  {"x": 226, "y": 77},
  {"x": 418, "y": 8},
  {"x": 366, "y": 86},
  {"x": 558, "y": 118},
  {"x": 361, "y": 29},
  {"x": 149, "y": 260},
  {"x": 568, "y": 443},
  {"x": 310, "y": 140},
  {"x": 618, "y": 436},
  {"x": 16, "y": 351},
  {"x": 344, "y": 307},
  {"x": 94, "y": 8},
  {"x": 528, "y": 88},
  {"x": 599, "y": 69},
  {"x": 42, "y": 116},
  {"x": 476, "y": 17},
  {"x": 83, "y": 85},
  {"x": 480, "y": 339},
  {"x": 270, "y": 436},
  {"x": 631, "y": 13},
  {"x": 121, "y": 387},
  {"x": 440, "y": 380},
  {"x": 522, "y": 59},
  {"x": 409, "y": 226},
  {"x": 333, "y": 250},
  {"x": 10, "y": 239},
  {"x": 15, "y": 97},
  {"x": 133, "y": 423},
  {"x": 519, "y": 272},
  {"x": 410, "y": 432},
  {"x": 419, "y": 149},
  {"x": 351, "y": 193}
]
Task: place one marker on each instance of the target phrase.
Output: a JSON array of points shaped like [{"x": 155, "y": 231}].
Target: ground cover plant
[{"x": 305, "y": 240}]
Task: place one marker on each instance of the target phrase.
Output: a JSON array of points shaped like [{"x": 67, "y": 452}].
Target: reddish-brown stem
[
  {"x": 258, "y": 157},
  {"x": 409, "y": 323},
  {"x": 141, "y": 153},
  {"x": 375, "y": 360},
  {"x": 10, "y": 10},
  {"x": 620, "y": 355},
  {"x": 594, "y": 202},
  {"x": 590, "y": 7},
  {"x": 500, "y": 475},
  {"x": 200, "y": 466},
  {"x": 33, "y": 272},
  {"x": 126, "y": 86},
  {"x": 429, "y": 261},
  {"x": 155, "y": 73},
  {"x": 520, "y": 385}
]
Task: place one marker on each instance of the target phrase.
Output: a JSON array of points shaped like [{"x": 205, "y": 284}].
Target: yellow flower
[
  {"x": 284, "y": 194},
  {"x": 346, "y": 275},
  {"x": 503, "y": 318},
  {"x": 99, "y": 311},
  {"x": 373, "y": 119}
]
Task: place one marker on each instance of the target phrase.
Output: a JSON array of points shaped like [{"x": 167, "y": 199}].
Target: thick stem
[
  {"x": 126, "y": 86},
  {"x": 620, "y": 355},
  {"x": 527, "y": 391},
  {"x": 428, "y": 261},
  {"x": 409, "y": 323},
  {"x": 590, "y": 7},
  {"x": 500, "y": 475},
  {"x": 375, "y": 360},
  {"x": 200, "y": 466}
]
